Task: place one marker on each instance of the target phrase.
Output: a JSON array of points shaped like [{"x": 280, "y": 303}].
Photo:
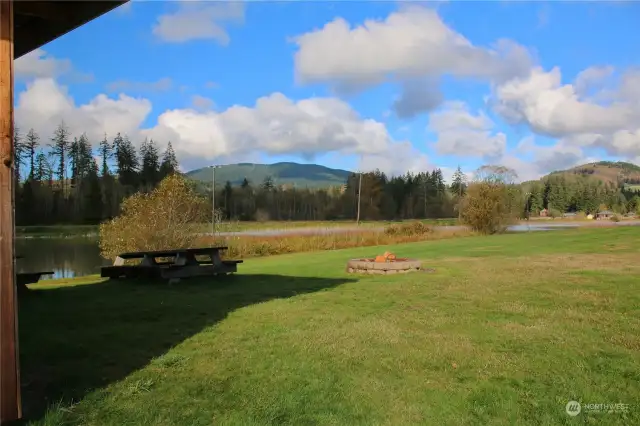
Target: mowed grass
[{"x": 506, "y": 331}]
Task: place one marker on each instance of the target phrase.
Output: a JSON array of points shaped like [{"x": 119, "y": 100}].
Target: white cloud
[
  {"x": 463, "y": 134},
  {"x": 417, "y": 97},
  {"x": 559, "y": 110},
  {"x": 199, "y": 21},
  {"x": 398, "y": 159},
  {"x": 411, "y": 43},
  {"x": 161, "y": 85},
  {"x": 274, "y": 125},
  {"x": 44, "y": 104},
  {"x": 590, "y": 77},
  {"x": 40, "y": 64}
]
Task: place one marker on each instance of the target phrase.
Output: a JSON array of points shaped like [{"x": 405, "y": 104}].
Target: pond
[{"x": 66, "y": 257}]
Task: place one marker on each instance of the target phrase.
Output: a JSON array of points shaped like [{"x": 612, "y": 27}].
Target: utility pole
[
  {"x": 213, "y": 201},
  {"x": 359, "y": 191}
]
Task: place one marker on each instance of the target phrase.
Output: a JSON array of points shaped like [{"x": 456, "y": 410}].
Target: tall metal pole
[
  {"x": 10, "y": 405},
  {"x": 213, "y": 200},
  {"x": 359, "y": 191}
]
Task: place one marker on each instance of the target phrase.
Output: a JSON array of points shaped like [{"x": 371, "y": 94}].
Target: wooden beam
[
  {"x": 52, "y": 19},
  {"x": 10, "y": 404},
  {"x": 43, "y": 9}
]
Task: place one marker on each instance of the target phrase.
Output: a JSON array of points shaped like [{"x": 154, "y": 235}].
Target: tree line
[
  {"x": 69, "y": 181},
  {"x": 65, "y": 180},
  {"x": 575, "y": 193}
]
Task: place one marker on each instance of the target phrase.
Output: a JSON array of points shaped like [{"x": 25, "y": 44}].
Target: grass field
[{"x": 506, "y": 331}]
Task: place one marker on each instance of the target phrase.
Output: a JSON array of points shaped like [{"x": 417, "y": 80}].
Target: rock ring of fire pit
[{"x": 395, "y": 266}]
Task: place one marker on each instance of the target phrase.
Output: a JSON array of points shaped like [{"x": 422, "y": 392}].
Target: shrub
[
  {"x": 492, "y": 203},
  {"x": 615, "y": 218},
  {"x": 168, "y": 217},
  {"x": 408, "y": 229}
]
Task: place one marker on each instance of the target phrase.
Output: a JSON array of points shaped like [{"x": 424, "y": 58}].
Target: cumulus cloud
[
  {"x": 40, "y": 64},
  {"x": 45, "y": 104},
  {"x": 559, "y": 110},
  {"x": 274, "y": 125},
  {"x": 411, "y": 43},
  {"x": 199, "y": 21},
  {"x": 398, "y": 159},
  {"x": 417, "y": 97},
  {"x": 591, "y": 78},
  {"x": 464, "y": 134}
]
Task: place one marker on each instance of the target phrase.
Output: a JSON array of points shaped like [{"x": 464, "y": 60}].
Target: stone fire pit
[{"x": 385, "y": 264}]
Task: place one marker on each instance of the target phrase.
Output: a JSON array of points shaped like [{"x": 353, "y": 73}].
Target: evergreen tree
[
  {"x": 44, "y": 171},
  {"x": 127, "y": 161},
  {"x": 106, "y": 151},
  {"x": 19, "y": 154},
  {"x": 458, "y": 182},
  {"x": 59, "y": 149},
  {"x": 32, "y": 143},
  {"x": 149, "y": 172},
  {"x": 169, "y": 163}
]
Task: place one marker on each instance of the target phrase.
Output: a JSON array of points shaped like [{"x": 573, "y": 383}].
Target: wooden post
[{"x": 10, "y": 405}]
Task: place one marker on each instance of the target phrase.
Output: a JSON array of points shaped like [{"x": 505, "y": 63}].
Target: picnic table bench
[
  {"x": 182, "y": 263},
  {"x": 24, "y": 278}
]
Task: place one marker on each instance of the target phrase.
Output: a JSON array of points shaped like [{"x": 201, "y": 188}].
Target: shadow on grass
[{"x": 75, "y": 339}]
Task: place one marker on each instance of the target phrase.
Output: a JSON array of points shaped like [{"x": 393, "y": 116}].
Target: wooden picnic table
[{"x": 182, "y": 263}]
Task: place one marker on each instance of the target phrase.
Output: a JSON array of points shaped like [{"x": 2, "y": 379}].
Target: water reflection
[{"x": 66, "y": 257}]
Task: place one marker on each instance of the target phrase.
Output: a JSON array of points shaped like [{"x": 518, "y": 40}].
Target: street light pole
[
  {"x": 359, "y": 191},
  {"x": 213, "y": 201}
]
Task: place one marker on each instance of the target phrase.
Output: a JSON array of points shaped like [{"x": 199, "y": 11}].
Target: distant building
[
  {"x": 604, "y": 214},
  {"x": 544, "y": 213}
]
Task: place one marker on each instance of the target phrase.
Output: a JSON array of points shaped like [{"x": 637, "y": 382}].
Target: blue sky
[{"x": 192, "y": 72}]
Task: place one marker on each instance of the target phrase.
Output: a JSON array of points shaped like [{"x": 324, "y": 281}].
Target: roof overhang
[{"x": 37, "y": 23}]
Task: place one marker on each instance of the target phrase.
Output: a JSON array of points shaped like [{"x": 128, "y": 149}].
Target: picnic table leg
[
  {"x": 215, "y": 258},
  {"x": 148, "y": 261},
  {"x": 183, "y": 259}
]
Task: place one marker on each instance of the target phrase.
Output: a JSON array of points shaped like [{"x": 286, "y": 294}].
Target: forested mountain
[
  {"x": 618, "y": 172},
  {"x": 287, "y": 174}
]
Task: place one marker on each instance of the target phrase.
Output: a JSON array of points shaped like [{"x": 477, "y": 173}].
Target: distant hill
[
  {"x": 294, "y": 174},
  {"x": 606, "y": 171}
]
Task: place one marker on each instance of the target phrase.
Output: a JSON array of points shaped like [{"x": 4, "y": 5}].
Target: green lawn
[{"x": 506, "y": 331}]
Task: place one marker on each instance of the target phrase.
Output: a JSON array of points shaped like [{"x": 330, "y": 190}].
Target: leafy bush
[
  {"x": 408, "y": 229},
  {"x": 616, "y": 218},
  {"x": 168, "y": 217},
  {"x": 492, "y": 202}
]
